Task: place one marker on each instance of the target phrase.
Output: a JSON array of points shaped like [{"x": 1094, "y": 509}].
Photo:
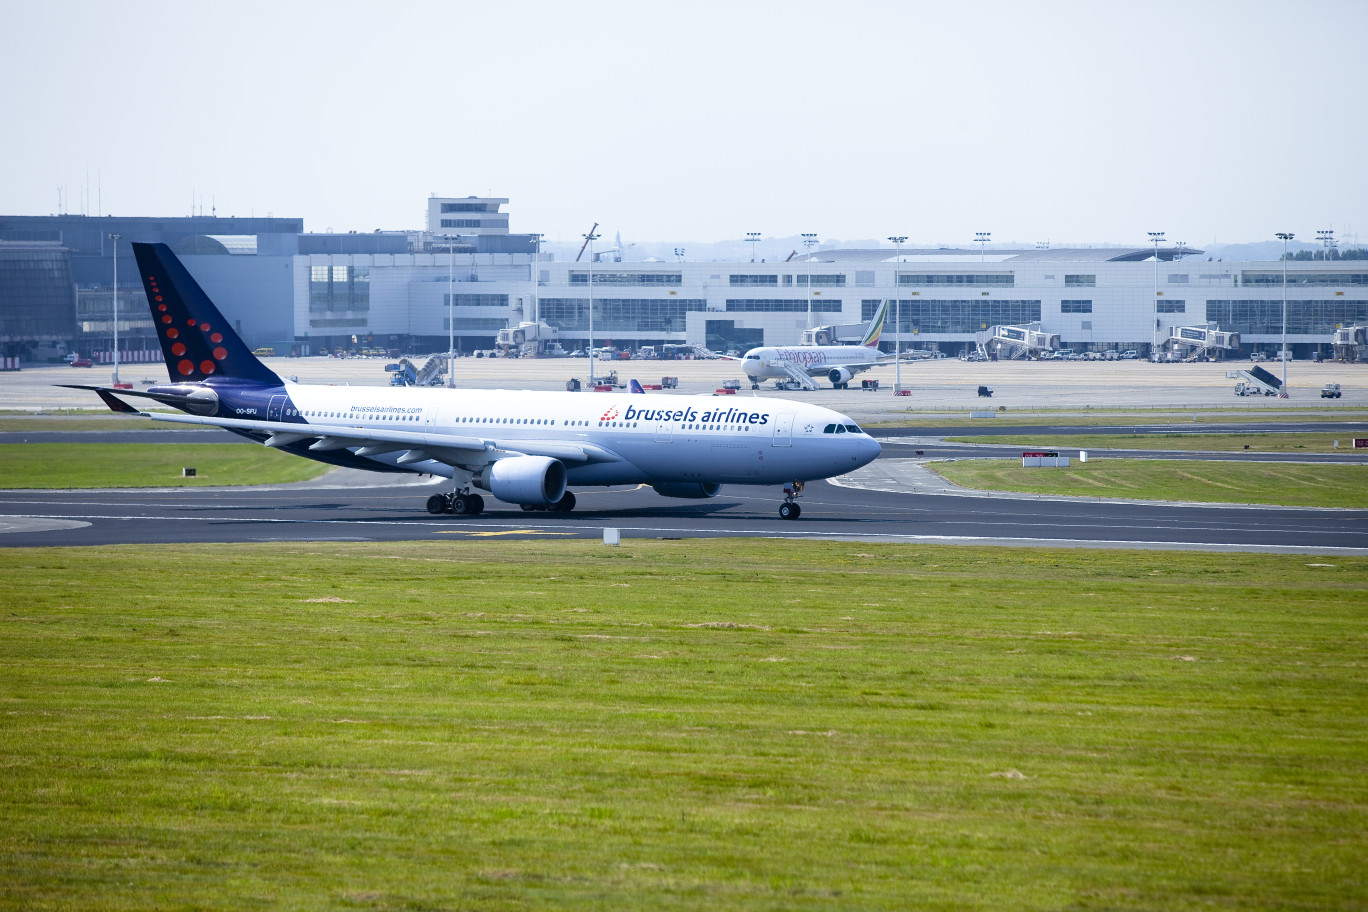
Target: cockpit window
[
  {"x": 752, "y": 357},
  {"x": 852, "y": 428}
]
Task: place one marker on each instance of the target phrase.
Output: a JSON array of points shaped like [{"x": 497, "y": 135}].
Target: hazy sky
[{"x": 1225, "y": 120}]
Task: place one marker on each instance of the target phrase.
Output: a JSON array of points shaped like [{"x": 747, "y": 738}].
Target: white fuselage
[
  {"x": 767, "y": 362},
  {"x": 654, "y": 438}
]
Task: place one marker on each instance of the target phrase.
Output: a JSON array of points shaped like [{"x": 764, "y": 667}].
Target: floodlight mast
[
  {"x": 116, "y": 238},
  {"x": 809, "y": 241},
  {"x": 897, "y": 240},
  {"x": 536, "y": 280},
  {"x": 451, "y": 311},
  {"x": 1156, "y": 238},
  {"x": 1282, "y": 352},
  {"x": 589, "y": 242}
]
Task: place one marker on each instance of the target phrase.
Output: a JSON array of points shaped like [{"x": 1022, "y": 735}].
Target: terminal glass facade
[
  {"x": 1305, "y": 278},
  {"x": 783, "y": 305},
  {"x": 632, "y": 315},
  {"x": 657, "y": 279},
  {"x": 953, "y": 280},
  {"x": 1303, "y": 317},
  {"x": 964, "y": 316}
]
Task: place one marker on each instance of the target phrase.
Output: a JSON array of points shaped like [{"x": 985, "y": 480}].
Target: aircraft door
[
  {"x": 783, "y": 430},
  {"x": 274, "y": 408},
  {"x": 662, "y": 431}
]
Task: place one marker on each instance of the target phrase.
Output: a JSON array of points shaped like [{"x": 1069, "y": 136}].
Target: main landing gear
[
  {"x": 789, "y": 509},
  {"x": 461, "y": 503},
  {"x": 564, "y": 505}
]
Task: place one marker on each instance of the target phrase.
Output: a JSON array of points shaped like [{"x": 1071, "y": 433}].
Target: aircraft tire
[
  {"x": 565, "y": 504},
  {"x": 790, "y": 511},
  {"x": 436, "y": 504},
  {"x": 476, "y": 504},
  {"x": 460, "y": 505}
]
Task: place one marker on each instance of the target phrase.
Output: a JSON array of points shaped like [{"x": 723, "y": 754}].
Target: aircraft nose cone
[{"x": 867, "y": 451}]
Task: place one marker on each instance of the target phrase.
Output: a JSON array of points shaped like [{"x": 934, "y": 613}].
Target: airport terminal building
[{"x": 465, "y": 276}]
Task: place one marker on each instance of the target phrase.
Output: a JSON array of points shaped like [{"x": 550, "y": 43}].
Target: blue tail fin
[
  {"x": 635, "y": 387},
  {"x": 196, "y": 340}
]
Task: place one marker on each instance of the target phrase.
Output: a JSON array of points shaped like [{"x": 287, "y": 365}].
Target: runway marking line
[{"x": 504, "y": 532}]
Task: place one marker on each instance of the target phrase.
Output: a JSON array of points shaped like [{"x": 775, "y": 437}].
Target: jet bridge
[
  {"x": 1016, "y": 341},
  {"x": 1351, "y": 343},
  {"x": 1193, "y": 343},
  {"x": 528, "y": 340},
  {"x": 406, "y": 374}
]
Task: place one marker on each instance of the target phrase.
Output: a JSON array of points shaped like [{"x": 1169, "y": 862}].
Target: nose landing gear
[{"x": 789, "y": 509}]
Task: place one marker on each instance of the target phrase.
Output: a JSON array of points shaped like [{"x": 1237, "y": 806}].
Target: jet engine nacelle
[
  {"x": 690, "y": 491},
  {"x": 839, "y": 375},
  {"x": 538, "y": 480}
]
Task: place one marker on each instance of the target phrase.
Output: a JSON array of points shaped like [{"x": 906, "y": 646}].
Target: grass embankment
[
  {"x": 134, "y": 465},
  {"x": 1195, "y": 442},
  {"x": 65, "y": 423},
  {"x": 1277, "y": 483},
  {"x": 1125, "y": 418},
  {"x": 695, "y": 725}
]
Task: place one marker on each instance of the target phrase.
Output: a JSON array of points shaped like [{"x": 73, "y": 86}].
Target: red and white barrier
[
  {"x": 9, "y": 364},
  {"x": 141, "y": 356}
]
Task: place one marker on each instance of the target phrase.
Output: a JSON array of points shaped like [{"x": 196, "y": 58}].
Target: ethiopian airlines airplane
[
  {"x": 800, "y": 363},
  {"x": 523, "y": 447}
]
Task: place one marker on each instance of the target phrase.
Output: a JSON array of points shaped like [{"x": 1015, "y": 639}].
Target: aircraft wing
[
  {"x": 821, "y": 370},
  {"x": 416, "y": 446}
]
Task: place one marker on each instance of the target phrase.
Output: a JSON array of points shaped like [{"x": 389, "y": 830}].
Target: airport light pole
[
  {"x": 536, "y": 281},
  {"x": 1327, "y": 238},
  {"x": 752, "y": 238},
  {"x": 897, "y": 317},
  {"x": 116, "y": 238},
  {"x": 1282, "y": 353},
  {"x": 809, "y": 241},
  {"x": 451, "y": 312},
  {"x": 589, "y": 239},
  {"x": 1156, "y": 238},
  {"x": 981, "y": 238}
]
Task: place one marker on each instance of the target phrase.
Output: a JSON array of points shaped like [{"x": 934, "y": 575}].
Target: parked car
[
  {"x": 1130, "y": 354},
  {"x": 1330, "y": 391},
  {"x": 82, "y": 362}
]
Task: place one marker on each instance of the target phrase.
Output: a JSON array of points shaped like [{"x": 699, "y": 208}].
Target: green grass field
[
  {"x": 1190, "y": 442},
  {"x": 1278, "y": 483},
  {"x": 83, "y": 423},
  {"x": 1087, "y": 417},
  {"x": 137, "y": 465},
  {"x": 681, "y": 725}
]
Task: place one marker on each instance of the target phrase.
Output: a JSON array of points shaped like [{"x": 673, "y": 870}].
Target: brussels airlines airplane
[
  {"x": 522, "y": 447},
  {"x": 838, "y": 363}
]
